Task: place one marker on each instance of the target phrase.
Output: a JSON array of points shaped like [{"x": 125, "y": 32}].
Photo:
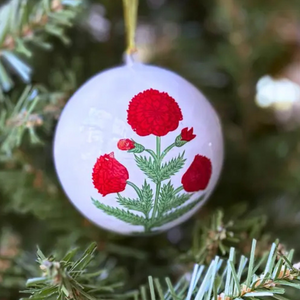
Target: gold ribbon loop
[{"x": 130, "y": 16}]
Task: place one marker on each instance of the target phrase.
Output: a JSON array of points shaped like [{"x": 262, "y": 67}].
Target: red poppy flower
[
  {"x": 125, "y": 144},
  {"x": 187, "y": 135},
  {"x": 109, "y": 176},
  {"x": 153, "y": 112},
  {"x": 197, "y": 176}
]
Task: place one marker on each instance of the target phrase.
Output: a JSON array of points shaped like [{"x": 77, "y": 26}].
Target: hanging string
[{"x": 130, "y": 16}]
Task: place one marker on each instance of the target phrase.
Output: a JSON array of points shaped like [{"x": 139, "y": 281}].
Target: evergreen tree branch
[
  {"x": 72, "y": 277},
  {"x": 25, "y": 22},
  {"x": 217, "y": 234},
  {"x": 267, "y": 278},
  {"x": 34, "y": 108},
  {"x": 230, "y": 281}
]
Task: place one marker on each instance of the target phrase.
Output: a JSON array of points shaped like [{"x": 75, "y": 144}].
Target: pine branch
[
  {"x": 216, "y": 235},
  {"x": 231, "y": 281},
  {"x": 28, "y": 22},
  {"x": 267, "y": 278},
  {"x": 35, "y": 107},
  {"x": 72, "y": 277},
  {"x": 22, "y": 118}
]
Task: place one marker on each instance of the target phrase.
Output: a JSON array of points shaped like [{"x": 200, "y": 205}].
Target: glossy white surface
[{"x": 94, "y": 120}]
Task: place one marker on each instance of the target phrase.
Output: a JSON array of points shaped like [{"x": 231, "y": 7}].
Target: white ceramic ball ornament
[{"x": 138, "y": 149}]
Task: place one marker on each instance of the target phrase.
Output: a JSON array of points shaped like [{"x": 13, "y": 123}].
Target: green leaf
[
  {"x": 277, "y": 290},
  {"x": 235, "y": 277},
  {"x": 133, "y": 204},
  {"x": 161, "y": 220},
  {"x": 168, "y": 200},
  {"x": 251, "y": 263},
  {"x": 35, "y": 281},
  {"x": 48, "y": 291},
  {"x": 65, "y": 291},
  {"x": 152, "y": 290},
  {"x": 181, "y": 199},
  {"x": 172, "y": 167},
  {"x": 147, "y": 197},
  {"x": 5, "y": 80},
  {"x": 120, "y": 214},
  {"x": 85, "y": 258},
  {"x": 258, "y": 294},
  {"x": 157, "y": 174},
  {"x": 148, "y": 166},
  {"x": 40, "y": 254},
  {"x": 165, "y": 198},
  {"x": 70, "y": 255},
  {"x": 295, "y": 285},
  {"x": 18, "y": 65},
  {"x": 159, "y": 288},
  {"x": 143, "y": 205},
  {"x": 278, "y": 297}
]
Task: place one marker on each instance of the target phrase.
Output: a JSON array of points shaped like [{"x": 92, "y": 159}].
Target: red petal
[{"x": 197, "y": 176}]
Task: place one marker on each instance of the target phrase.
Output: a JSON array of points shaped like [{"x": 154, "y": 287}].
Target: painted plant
[{"x": 156, "y": 113}]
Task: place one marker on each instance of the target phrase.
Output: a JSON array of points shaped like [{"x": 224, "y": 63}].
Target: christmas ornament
[{"x": 138, "y": 149}]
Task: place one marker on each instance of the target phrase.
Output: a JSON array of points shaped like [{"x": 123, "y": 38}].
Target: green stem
[
  {"x": 158, "y": 146},
  {"x": 167, "y": 150},
  {"x": 179, "y": 189},
  {"x": 158, "y": 185},
  {"x": 156, "y": 200},
  {"x": 152, "y": 153},
  {"x": 138, "y": 191},
  {"x": 147, "y": 228}
]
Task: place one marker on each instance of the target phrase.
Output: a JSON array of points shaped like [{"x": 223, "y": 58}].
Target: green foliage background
[{"x": 224, "y": 48}]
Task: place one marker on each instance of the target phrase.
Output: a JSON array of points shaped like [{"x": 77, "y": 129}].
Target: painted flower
[
  {"x": 109, "y": 176},
  {"x": 125, "y": 144},
  {"x": 153, "y": 112},
  {"x": 130, "y": 146},
  {"x": 187, "y": 134},
  {"x": 197, "y": 176}
]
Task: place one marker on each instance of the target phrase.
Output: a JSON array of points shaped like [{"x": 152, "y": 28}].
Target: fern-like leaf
[
  {"x": 178, "y": 200},
  {"x": 120, "y": 214},
  {"x": 147, "y": 198},
  {"x": 165, "y": 197},
  {"x": 133, "y": 204},
  {"x": 161, "y": 220},
  {"x": 172, "y": 167},
  {"x": 148, "y": 166}
]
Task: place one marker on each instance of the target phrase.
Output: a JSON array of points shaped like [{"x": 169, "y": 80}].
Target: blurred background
[{"x": 244, "y": 56}]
